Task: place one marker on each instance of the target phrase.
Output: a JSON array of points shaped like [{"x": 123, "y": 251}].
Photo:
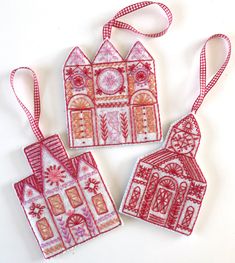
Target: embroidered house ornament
[
  {"x": 111, "y": 100},
  {"x": 167, "y": 187},
  {"x": 65, "y": 199}
]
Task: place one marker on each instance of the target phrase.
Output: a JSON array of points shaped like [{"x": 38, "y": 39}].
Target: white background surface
[{"x": 40, "y": 34}]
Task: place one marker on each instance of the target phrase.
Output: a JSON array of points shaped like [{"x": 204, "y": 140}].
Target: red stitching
[
  {"x": 33, "y": 119},
  {"x": 107, "y": 29},
  {"x": 205, "y": 88},
  {"x": 174, "y": 204}
]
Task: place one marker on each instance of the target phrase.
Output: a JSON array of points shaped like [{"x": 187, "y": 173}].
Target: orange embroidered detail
[
  {"x": 82, "y": 124},
  {"x": 108, "y": 223},
  {"x": 53, "y": 249},
  {"x": 57, "y": 205},
  {"x": 74, "y": 197},
  {"x": 44, "y": 229},
  {"x": 99, "y": 204}
]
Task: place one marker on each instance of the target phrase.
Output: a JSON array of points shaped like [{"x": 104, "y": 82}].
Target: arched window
[
  {"x": 134, "y": 197},
  {"x": 181, "y": 193},
  {"x": 188, "y": 216}
]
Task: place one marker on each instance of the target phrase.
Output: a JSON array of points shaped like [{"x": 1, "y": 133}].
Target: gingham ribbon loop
[
  {"x": 107, "y": 29},
  {"x": 33, "y": 119},
  {"x": 205, "y": 88}
]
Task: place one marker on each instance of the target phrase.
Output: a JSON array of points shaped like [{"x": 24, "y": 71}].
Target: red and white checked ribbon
[
  {"x": 205, "y": 88},
  {"x": 107, "y": 29},
  {"x": 33, "y": 119}
]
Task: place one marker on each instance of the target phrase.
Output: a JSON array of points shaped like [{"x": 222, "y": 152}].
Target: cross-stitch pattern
[
  {"x": 65, "y": 199},
  {"x": 167, "y": 187},
  {"x": 113, "y": 100}
]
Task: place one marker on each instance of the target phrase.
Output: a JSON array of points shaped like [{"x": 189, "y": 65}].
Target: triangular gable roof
[
  {"x": 190, "y": 165},
  {"x": 31, "y": 181},
  {"x": 107, "y": 53},
  {"x": 188, "y": 124},
  {"x": 138, "y": 52},
  {"x": 54, "y": 145},
  {"x": 192, "y": 168},
  {"x": 77, "y": 57},
  {"x": 87, "y": 157}
]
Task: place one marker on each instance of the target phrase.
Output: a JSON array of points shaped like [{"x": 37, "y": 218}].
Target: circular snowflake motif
[
  {"x": 92, "y": 186},
  {"x": 78, "y": 81},
  {"x": 182, "y": 142},
  {"x": 174, "y": 168},
  {"x": 54, "y": 175},
  {"x": 36, "y": 210},
  {"x": 110, "y": 81},
  {"x": 141, "y": 76}
]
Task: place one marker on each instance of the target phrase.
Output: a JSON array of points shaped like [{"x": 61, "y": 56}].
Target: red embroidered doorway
[
  {"x": 78, "y": 228},
  {"x": 164, "y": 197}
]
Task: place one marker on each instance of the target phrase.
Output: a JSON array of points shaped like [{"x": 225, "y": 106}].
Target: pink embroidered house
[
  {"x": 65, "y": 200},
  {"x": 111, "y": 100},
  {"x": 168, "y": 186}
]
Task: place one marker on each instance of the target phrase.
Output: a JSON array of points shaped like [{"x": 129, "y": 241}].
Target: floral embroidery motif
[
  {"x": 54, "y": 175},
  {"x": 173, "y": 187},
  {"x": 36, "y": 210},
  {"x": 92, "y": 186},
  {"x": 71, "y": 213},
  {"x": 196, "y": 190},
  {"x": 127, "y": 86}
]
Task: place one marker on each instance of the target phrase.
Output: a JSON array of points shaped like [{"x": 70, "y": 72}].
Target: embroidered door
[
  {"x": 145, "y": 123},
  {"x": 164, "y": 198},
  {"x": 78, "y": 228},
  {"x": 81, "y": 121}
]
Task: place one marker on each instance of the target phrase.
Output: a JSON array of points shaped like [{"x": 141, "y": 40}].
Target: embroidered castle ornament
[
  {"x": 112, "y": 100},
  {"x": 167, "y": 187},
  {"x": 65, "y": 199}
]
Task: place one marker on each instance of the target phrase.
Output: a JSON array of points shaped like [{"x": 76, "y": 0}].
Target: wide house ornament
[
  {"x": 113, "y": 100},
  {"x": 168, "y": 186},
  {"x": 65, "y": 199}
]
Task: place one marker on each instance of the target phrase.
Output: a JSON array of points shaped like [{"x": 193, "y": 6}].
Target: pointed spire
[
  {"x": 77, "y": 57},
  {"x": 107, "y": 53},
  {"x": 138, "y": 52},
  {"x": 188, "y": 124},
  {"x": 184, "y": 136}
]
